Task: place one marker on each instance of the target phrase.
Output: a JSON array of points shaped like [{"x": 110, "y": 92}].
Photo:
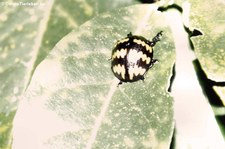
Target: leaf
[
  {"x": 209, "y": 47},
  {"x": 73, "y": 99},
  {"x": 21, "y": 30},
  {"x": 67, "y": 15},
  {"x": 29, "y": 30},
  {"x": 221, "y": 93},
  {"x": 188, "y": 95}
]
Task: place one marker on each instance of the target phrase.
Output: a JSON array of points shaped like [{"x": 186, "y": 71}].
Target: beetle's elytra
[{"x": 132, "y": 57}]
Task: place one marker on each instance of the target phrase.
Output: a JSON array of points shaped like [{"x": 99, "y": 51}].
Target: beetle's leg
[
  {"x": 153, "y": 62},
  {"x": 156, "y": 38},
  {"x": 119, "y": 83},
  {"x": 129, "y": 35},
  {"x": 143, "y": 78}
]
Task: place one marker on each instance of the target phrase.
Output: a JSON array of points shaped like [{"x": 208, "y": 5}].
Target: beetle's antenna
[{"x": 156, "y": 38}]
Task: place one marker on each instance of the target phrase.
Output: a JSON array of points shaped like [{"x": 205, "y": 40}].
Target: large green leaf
[
  {"x": 21, "y": 29},
  {"x": 29, "y": 30},
  {"x": 69, "y": 14},
  {"x": 196, "y": 125},
  {"x": 209, "y": 47},
  {"x": 73, "y": 100}
]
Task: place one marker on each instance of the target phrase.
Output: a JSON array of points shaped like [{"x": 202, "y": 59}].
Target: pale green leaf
[
  {"x": 73, "y": 100},
  {"x": 221, "y": 93},
  {"x": 21, "y": 28},
  {"x": 67, "y": 15},
  {"x": 210, "y": 46},
  {"x": 29, "y": 30}
]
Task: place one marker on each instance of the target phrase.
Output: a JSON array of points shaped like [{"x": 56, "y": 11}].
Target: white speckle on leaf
[
  {"x": 136, "y": 132},
  {"x": 137, "y": 109},
  {"x": 16, "y": 90},
  {"x": 19, "y": 27},
  {"x": 22, "y": 44},
  {"x": 105, "y": 65},
  {"x": 31, "y": 11},
  {"x": 33, "y": 18},
  {"x": 3, "y": 17},
  {"x": 4, "y": 54},
  {"x": 150, "y": 140},
  {"x": 129, "y": 142},
  {"x": 12, "y": 46},
  {"x": 101, "y": 98},
  {"x": 49, "y": 78},
  {"x": 32, "y": 34},
  {"x": 81, "y": 65},
  {"x": 14, "y": 99},
  {"x": 95, "y": 64},
  {"x": 16, "y": 60},
  {"x": 107, "y": 121},
  {"x": 82, "y": 54},
  {"x": 160, "y": 101},
  {"x": 46, "y": 41},
  {"x": 116, "y": 114},
  {"x": 152, "y": 113}
]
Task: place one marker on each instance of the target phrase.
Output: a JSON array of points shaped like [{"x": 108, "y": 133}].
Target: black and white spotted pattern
[{"x": 132, "y": 57}]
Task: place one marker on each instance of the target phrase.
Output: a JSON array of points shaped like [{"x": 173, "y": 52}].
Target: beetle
[{"x": 132, "y": 57}]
